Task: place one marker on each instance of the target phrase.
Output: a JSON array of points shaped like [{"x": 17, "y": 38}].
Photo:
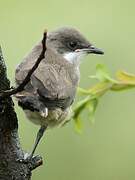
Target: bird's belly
[{"x": 55, "y": 117}]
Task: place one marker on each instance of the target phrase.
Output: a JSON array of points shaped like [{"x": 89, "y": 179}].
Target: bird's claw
[{"x": 26, "y": 159}]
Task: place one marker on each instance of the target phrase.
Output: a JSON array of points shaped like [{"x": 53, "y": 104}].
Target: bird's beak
[{"x": 92, "y": 49}]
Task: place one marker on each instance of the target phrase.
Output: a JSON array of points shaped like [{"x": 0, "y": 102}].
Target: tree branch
[{"x": 10, "y": 149}]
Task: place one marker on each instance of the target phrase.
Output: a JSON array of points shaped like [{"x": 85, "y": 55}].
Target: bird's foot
[
  {"x": 32, "y": 162},
  {"x": 26, "y": 159}
]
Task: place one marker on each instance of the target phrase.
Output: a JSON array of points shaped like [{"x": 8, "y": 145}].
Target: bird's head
[{"x": 71, "y": 44}]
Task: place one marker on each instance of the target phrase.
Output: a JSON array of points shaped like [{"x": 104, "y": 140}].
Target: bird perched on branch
[{"x": 47, "y": 98}]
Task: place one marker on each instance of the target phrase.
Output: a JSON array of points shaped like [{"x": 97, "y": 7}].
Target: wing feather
[{"x": 51, "y": 81}]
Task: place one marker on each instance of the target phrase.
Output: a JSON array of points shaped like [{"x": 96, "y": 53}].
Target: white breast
[{"x": 74, "y": 57}]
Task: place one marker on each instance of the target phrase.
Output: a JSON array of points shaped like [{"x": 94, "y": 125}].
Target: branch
[
  {"x": 7, "y": 93},
  {"x": 10, "y": 149}
]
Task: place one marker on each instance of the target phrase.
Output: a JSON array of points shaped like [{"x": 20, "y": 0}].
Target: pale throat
[{"x": 74, "y": 57}]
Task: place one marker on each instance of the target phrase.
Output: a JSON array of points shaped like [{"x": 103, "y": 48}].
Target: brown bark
[{"x": 10, "y": 149}]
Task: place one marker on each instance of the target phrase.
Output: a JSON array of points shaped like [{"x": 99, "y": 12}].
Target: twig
[{"x": 21, "y": 87}]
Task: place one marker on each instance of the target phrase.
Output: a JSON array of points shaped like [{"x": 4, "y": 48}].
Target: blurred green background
[{"x": 104, "y": 151}]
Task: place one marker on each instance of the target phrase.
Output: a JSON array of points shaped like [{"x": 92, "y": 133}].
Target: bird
[{"x": 48, "y": 97}]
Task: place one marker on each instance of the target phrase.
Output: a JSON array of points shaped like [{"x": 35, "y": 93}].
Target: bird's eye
[{"x": 72, "y": 44}]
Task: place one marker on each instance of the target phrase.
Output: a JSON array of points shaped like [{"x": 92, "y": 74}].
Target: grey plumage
[
  {"x": 48, "y": 97},
  {"x": 53, "y": 84}
]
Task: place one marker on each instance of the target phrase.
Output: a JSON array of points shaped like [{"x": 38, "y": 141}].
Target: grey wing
[
  {"x": 54, "y": 89},
  {"x": 26, "y": 64},
  {"x": 51, "y": 85}
]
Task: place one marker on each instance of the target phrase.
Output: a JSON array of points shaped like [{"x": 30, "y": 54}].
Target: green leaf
[
  {"x": 126, "y": 78},
  {"x": 102, "y": 74},
  {"x": 78, "y": 125},
  {"x": 91, "y": 106},
  {"x": 100, "y": 88},
  {"x": 96, "y": 90},
  {"x": 89, "y": 103},
  {"x": 80, "y": 107},
  {"x": 121, "y": 87},
  {"x": 82, "y": 91}
]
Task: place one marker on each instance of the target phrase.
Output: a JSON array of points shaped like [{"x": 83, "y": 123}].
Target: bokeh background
[{"x": 106, "y": 150}]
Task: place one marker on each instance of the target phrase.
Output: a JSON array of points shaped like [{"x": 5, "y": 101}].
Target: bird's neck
[{"x": 74, "y": 57}]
